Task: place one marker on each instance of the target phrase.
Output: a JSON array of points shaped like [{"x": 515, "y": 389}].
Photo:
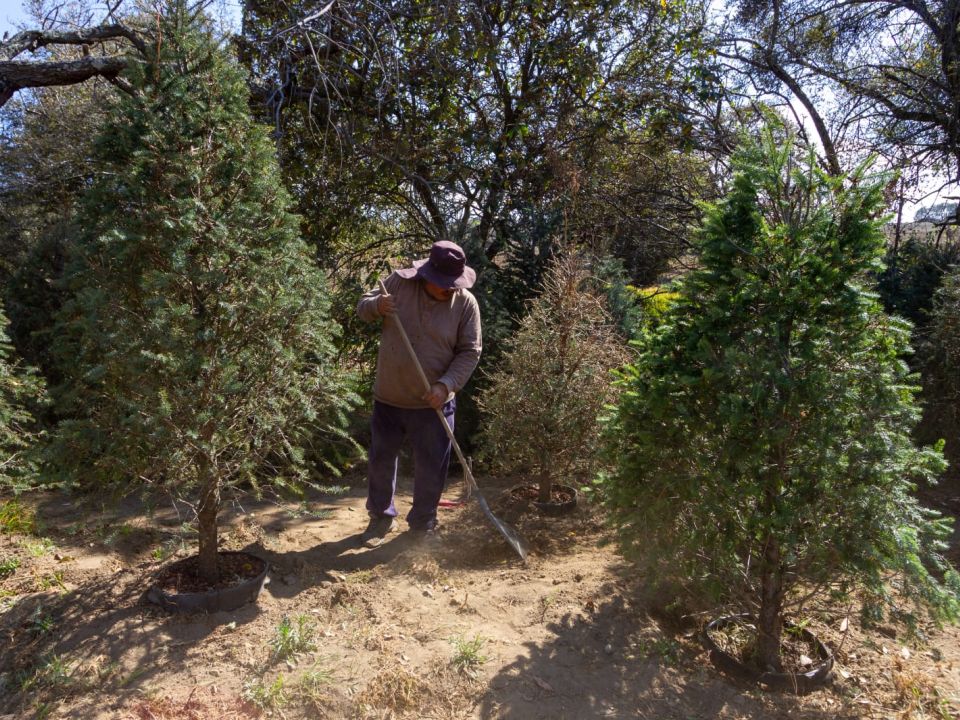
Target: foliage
[
  {"x": 762, "y": 439},
  {"x": 15, "y": 517},
  {"x": 542, "y": 403},
  {"x": 941, "y": 377},
  {"x": 656, "y": 302},
  {"x": 195, "y": 344},
  {"x": 8, "y": 566},
  {"x": 936, "y": 213},
  {"x": 293, "y": 637},
  {"x": 46, "y": 162},
  {"x": 912, "y": 274},
  {"x": 484, "y": 123},
  {"x": 267, "y": 696},
  {"x": 467, "y": 655},
  {"x": 20, "y": 389},
  {"x": 888, "y": 66}
]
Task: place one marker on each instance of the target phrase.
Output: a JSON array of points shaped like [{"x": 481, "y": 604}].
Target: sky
[{"x": 10, "y": 12}]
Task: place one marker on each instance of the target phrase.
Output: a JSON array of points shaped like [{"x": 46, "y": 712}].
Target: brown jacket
[{"x": 445, "y": 336}]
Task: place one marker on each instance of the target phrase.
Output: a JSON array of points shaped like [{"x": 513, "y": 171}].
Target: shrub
[{"x": 762, "y": 439}]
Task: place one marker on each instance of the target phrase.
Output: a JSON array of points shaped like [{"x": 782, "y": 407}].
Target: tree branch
[
  {"x": 18, "y": 75},
  {"x": 33, "y": 40}
]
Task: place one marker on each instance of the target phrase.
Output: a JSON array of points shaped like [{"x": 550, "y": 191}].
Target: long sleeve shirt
[{"x": 444, "y": 334}]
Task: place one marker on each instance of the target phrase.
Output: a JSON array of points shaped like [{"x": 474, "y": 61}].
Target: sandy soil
[{"x": 456, "y": 630}]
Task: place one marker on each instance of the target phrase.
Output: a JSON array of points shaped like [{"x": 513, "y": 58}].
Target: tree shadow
[
  {"x": 615, "y": 661},
  {"x": 91, "y": 629}
]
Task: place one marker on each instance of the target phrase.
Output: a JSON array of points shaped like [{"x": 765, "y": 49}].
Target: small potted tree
[
  {"x": 762, "y": 439},
  {"x": 196, "y": 344},
  {"x": 541, "y": 407}
]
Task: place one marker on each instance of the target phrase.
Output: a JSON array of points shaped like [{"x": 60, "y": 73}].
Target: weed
[
  {"x": 56, "y": 672},
  {"x": 41, "y": 547},
  {"x": 167, "y": 549},
  {"x": 293, "y": 637},
  {"x": 54, "y": 579},
  {"x": 110, "y": 533},
  {"x": 15, "y": 518},
  {"x": 264, "y": 696},
  {"x": 41, "y": 622},
  {"x": 134, "y": 675},
  {"x": 920, "y": 697},
  {"x": 8, "y": 598},
  {"x": 467, "y": 657},
  {"x": 8, "y": 566},
  {"x": 665, "y": 649},
  {"x": 303, "y": 510},
  {"x": 547, "y": 602},
  {"x": 361, "y": 577},
  {"x": 311, "y": 685}
]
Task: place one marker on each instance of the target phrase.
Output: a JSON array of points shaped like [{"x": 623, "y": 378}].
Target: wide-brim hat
[{"x": 446, "y": 267}]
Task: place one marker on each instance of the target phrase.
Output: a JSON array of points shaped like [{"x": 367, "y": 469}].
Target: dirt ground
[{"x": 460, "y": 629}]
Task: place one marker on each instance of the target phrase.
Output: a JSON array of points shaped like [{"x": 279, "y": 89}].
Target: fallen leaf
[
  {"x": 844, "y": 625},
  {"x": 905, "y": 653},
  {"x": 805, "y": 661}
]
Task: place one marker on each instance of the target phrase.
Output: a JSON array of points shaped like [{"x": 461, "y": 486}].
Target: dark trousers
[{"x": 431, "y": 457}]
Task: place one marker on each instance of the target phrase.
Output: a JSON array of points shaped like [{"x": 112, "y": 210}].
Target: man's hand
[
  {"x": 437, "y": 395},
  {"x": 386, "y": 305}
]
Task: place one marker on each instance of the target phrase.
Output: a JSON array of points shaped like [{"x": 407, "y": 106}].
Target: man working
[{"x": 442, "y": 319}]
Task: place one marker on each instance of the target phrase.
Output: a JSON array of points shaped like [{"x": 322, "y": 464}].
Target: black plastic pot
[
  {"x": 799, "y": 683},
  {"x": 228, "y": 598},
  {"x": 555, "y": 509}
]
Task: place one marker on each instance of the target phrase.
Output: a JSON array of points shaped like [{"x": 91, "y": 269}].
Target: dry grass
[
  {"x": 196, "y": 706},
  {"x": 919, "y": 698}
]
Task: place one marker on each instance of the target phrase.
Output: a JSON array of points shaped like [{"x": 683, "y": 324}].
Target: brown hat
[{"x": 446, "y": 267}]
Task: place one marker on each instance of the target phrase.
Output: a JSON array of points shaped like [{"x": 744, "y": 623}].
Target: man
[{"x": 442, "y": 319}]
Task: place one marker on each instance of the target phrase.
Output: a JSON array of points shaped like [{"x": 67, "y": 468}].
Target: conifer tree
[
  {"x": 19, "y": 388},
  {"x": 196, "y": 343},
  {"x": 542, "y": 404},
  {"x": 763, "y": 437}
]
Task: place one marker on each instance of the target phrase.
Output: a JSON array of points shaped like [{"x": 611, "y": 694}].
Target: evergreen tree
[
  {"x": 542, "y": 405},
  {"x": 196, "y": 344},
  {"x": 19, "y": 389},
  {"x": 762, "y": 439}
]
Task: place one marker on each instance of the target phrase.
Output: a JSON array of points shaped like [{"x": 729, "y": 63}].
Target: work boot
[
  {"x": 377, "y": 530},
  {"x": 428, "y": 534}
]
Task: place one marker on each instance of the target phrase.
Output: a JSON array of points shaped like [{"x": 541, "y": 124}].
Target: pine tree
[
  {"x": 762, "y": 439},
  {"x": 19, "y": 389},
  {"x": 196, "y": 345},
  {"x": 542, "y": 405}
]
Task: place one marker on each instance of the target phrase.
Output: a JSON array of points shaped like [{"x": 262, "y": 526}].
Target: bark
[
  {"x": 207, "y": 519},
  {"x": 546, "y": 487},
  {"x": 770, "y": 620},
  {"x": 19, "y": 75}
]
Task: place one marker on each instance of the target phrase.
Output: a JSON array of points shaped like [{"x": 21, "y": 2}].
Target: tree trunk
[
  {"x": 770, "y": 621},
  {"x": 207, "y": 519},
  {"x": 546, "y": 487}
]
